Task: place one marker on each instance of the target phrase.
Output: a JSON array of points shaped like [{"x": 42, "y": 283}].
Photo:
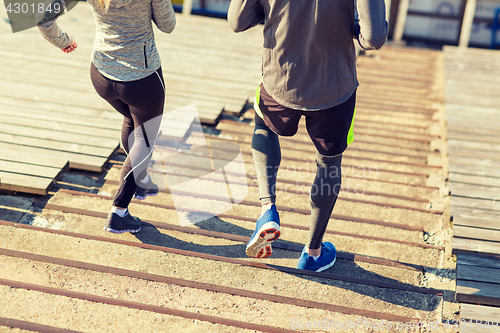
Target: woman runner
[{"x": 126, "y": 71}]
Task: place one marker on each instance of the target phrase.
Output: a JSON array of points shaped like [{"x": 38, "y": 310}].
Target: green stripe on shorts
[
  {"x": 256, "y": 103},
  {"x": 350, "y": 135}
]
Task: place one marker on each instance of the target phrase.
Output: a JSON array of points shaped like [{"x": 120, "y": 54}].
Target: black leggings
[{"x": 141, "y": 104}]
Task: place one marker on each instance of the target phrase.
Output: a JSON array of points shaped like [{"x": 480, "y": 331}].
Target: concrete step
[
  {"x": 387, "y": 140},
  {"x": 175, "y": 263},
  {"x": 428, "y": 219},
  {"x": 84, "y": 315},
  {"x": 293, "y": 158},
  {"x": 306, "y": 147},
  {"x": 352, "y": 190},
  {"x": 418, "y": 252},
  {"x": 149, "y": 289},
  {"x": 227, "y": 239},
  {"x": 357, "y": 180}
]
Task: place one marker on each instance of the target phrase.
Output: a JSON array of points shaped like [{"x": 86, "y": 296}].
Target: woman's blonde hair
[{"x": 104, "y": 4}]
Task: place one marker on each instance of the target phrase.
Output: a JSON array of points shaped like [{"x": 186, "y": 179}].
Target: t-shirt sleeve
[
  {"x": 373, "y": 27},
  {"x": 164, "y": 15},
  {"x": 55, "y": 35},
  {"x": 244, "y": 14}
]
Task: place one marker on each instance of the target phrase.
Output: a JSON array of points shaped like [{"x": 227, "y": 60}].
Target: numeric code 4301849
[{"x": 33, "y": 8}]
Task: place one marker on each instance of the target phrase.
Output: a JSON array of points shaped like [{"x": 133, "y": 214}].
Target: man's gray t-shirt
[{"x": 308, "y": 60}]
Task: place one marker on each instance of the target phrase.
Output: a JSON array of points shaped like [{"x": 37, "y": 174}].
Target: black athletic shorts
[{"x": 330, "y": 129}]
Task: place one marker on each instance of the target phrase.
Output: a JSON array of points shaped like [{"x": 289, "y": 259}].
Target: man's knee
[{"x": 328, "y": 161}]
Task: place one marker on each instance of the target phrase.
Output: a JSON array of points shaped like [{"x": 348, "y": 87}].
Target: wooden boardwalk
[
  {"x": 473, "y": 117},
  {"x": 52, "y": 119}
]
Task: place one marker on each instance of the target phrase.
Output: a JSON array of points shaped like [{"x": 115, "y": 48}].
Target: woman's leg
[
  {"x": 141, "y": 103},
  {"x": 145, "y": 98}
]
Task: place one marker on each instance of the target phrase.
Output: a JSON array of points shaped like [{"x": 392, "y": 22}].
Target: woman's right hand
[{"x": 71, "y": 47}]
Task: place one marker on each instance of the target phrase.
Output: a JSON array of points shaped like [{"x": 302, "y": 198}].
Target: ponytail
[{"x": 104, "y": 4}]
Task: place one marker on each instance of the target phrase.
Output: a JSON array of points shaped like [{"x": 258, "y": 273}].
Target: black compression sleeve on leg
[
  {"x": 324, "y": 193},
  {"x": 267, "y": 158}
]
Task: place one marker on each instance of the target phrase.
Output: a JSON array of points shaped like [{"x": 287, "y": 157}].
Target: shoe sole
[
  {"x": 324, "y": 268},
  {"x": 115, "y": 231},
  {"x": 144, "y": 197},
  {"x": 260, "y": 246}
]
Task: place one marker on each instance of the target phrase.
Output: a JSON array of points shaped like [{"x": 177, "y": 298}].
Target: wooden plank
[
  {"x": 479, "y": 274},
  {"x": 477, "y": 66},
  {"x": 68, "y": 129},
  {"x": 474, "y": 212},
  {"x": 478, "y": 79},
  {"x": 479, "y": 260},
  {"x": 47, "y": 94},
  {"x": 469, "y": 327},
  {"x": 30, "y": 169},
  {"x": 52, "y": 135},
  {"x": 474, "y": 312},
  {"x": 475, "y": 191},
  {"x": 463, "y": 97},
  {"x": 476, "y": 233},
  {"x": 76, "y": 160},
  {"x": 21, "y": 71},
  {"x": 473, "y": 126},
  {"x": 478, "y": 292},
  {"x": 62, "y": 117},
  {"x": 478, "y": 88},
  {"x": 473, "y": 179},
  {"x": 480, "y": 155},
  {"x": 476, "y": 222},
  {"x": 453, "y": 50},
  {"x": 50, "y": 145},
  {"x": 483, "y": 313},
  {"x": 470, "y": 137},
  {"x": 475, "y": 246},
  {"x": 24, "y": 183},
  {"x": 32, "y": 158},
  {"x": 97, "y": 114},
  {"x": 483, "y": 171},
  {"x": 229, "y": 95},
  {"x": 477, "y": 111},
  {"x": 492, "y": 205},
  {"x": 460, "y": 160},
  {"x": 466, "y": 63}
]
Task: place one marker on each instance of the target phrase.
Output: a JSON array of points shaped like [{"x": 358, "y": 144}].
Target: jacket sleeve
[
  {"x": 47, "y": 24},
  {"x": 57, "y": 37},
  {"x": 373, "y": 28},
  {"x": 164, "y": 15},
  {"x": 244, "y": 14}
]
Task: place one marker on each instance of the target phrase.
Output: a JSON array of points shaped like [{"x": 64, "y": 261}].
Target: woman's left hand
[{"x": 71, "y": 47}]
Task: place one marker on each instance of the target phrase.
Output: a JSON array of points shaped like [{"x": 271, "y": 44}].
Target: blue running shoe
[
  {"x": 267, "y": 230},
  {"x": 325, "y": 260}
]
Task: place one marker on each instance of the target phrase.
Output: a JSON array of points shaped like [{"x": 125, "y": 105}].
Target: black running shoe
[
  {"x": 146, "y": 190},
  {"x": 118, "y": 225}
]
